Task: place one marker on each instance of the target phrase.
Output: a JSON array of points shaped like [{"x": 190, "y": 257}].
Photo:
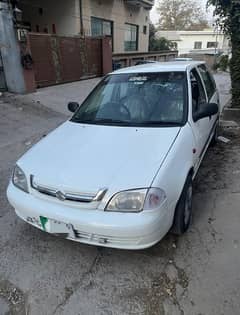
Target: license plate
[{"x": 56, "y": 227}]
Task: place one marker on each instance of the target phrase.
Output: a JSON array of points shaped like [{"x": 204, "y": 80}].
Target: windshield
[{"x": 137, "y": 99}]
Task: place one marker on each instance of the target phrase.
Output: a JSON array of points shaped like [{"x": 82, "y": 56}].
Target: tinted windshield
[{"x": 138, "y": 99}]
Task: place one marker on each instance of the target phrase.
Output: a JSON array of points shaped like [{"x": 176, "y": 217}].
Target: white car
[{"x": 119, "y": 173}]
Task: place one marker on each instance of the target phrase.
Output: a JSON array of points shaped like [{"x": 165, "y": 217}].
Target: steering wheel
[
  {"x": 133, "y": 98},
  {"x": 126, "y": 109},
  {"x": 110, "y": 109}
]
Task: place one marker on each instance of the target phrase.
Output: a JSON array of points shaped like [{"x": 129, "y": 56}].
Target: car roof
[{"x": 160, "y": 67}]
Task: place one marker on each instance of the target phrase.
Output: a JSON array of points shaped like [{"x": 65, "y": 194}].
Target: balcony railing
[{"x": 147, "y": 4}]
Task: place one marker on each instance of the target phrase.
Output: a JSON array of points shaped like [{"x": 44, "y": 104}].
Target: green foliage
[
  {"x": 157, "y": 44},
  {"x": 228, "y": 18},
  {"x": 215, "y": 66},
  {"x": 227, "y": 14},
  {"x": 152, "y": 31},
  {"x": 222, "y": 63},
  {"x": 181, "y": 15},
  {"x": 161, "y": 44}
]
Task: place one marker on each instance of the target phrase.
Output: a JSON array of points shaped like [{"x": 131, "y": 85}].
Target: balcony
[{"x": 147, "y": 4}]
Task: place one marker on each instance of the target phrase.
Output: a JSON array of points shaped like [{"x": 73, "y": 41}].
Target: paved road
[
  {"x": 224, "y": 87},
  {"x": 57, "y": 97},
  {"x": 192, "y": 275}
]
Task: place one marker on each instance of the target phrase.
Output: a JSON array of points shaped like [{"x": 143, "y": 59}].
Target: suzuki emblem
[{"x": 60, "y": 195}]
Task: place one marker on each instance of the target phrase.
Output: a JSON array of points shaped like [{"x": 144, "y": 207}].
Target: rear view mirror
[
  {"x": 206, "y": 110},
  {"x": 73, "y": 107}
]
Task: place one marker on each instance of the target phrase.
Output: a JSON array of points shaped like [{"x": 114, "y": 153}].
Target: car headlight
[
  {"x": 19, "y": 179},
  {"x": 136, "y": 200}
]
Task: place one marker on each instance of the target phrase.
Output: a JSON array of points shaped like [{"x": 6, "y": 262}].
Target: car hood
[{"x": 80, "y": 157}]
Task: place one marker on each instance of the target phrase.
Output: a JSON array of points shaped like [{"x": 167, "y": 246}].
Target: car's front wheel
[
  {"x": 183, "y": 212},
  {"x": 215, "y": 135}
]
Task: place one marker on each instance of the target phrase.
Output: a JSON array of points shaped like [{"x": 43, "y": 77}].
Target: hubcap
[{"x": 188, "y": 206}]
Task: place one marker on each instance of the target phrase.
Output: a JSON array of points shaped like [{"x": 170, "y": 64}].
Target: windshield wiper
[
  {"x": 161, "y": 123},
  {"x": 82, "y": 121},
  {"x": 111, "y": 121},
  {"x": 100, "y": 121}
]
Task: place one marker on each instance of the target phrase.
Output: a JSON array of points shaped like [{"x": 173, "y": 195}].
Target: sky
[{"x": 154, "y": 15}]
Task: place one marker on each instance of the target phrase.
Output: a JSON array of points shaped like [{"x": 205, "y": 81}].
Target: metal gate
[
  {"x": 60, "y": 59},
  {"x": 41, "y": 50},
  {"x": 70, "y": 54},
  {"x": 3, "y": 86},
  {"x": 94, "y": 56}
]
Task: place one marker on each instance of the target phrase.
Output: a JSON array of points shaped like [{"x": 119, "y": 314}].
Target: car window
[
  {"x": 208, "y": 81},
  {"x": 198, "y": 94},
  {"x": 137, "y": 99}
]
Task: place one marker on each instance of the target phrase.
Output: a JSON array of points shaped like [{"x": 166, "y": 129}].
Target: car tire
[
  {"x": 183, "y": 212},
  {"x": 215, "y": 135}
]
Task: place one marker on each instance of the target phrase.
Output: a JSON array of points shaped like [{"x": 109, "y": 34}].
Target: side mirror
[
  {"x": 206, "y": 110},
  {"x": 73, "y": 107}
]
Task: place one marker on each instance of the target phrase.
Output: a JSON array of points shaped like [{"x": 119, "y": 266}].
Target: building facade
[
  {"x": 126, "y": 21},
  {"x": 207, "y": 41}
]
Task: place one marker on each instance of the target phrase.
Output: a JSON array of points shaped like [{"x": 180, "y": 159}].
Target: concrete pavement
[
  {"x": 58, "y": 96},
  {"x": 224, "y": 87}
]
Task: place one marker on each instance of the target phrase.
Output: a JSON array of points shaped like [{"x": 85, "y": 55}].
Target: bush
[
  {"x": 158, "y": 44},
  {"x": 215, "y": 66},
  {"x": 223, "y": 63}
]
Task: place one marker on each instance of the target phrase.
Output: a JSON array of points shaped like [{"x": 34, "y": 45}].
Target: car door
[
  {"x": 202, "y": 127},
  {"x": 209, "y": 83},
  {"x": 210, "y": 87}
]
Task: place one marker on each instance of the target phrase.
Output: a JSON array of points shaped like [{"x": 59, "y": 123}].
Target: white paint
[{"x": 89, "y": 175}]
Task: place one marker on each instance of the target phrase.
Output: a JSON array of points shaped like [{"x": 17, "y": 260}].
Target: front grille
[{"x": 78, "y": 197}]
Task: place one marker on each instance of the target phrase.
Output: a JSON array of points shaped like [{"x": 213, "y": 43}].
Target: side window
[
  {"x": 208, "y": 81},
  {"x": 198, "y": 93},
  {"x": 197, "y": 45}
]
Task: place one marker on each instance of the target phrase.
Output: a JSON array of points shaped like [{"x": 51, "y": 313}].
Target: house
[
  {"x": 126, "y": 21},
  {"x": 207, "y": 41},
  {"x": 45, "y": 42}
]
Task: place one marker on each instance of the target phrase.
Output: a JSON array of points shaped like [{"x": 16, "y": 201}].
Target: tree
[
  {"x": 161, "y": 43},
  {"x": 152, "y": 32},
  {"x": 227, "y": 13},
  {"x": 157, "y": 44},
  {"x": 181, "y": 15}
]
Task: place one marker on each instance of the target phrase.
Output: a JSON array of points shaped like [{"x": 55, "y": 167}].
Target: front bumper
[{"x": 96, "y": 227}]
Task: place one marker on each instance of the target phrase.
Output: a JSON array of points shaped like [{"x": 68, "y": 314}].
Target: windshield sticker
[
  {"x": 138, "y": 83},
  {"x": 138, "y": 79}
]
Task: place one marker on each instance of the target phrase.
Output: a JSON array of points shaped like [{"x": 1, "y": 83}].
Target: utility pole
[
  {"x": 10, "y": 51},
  {"x": 81, "y": 18}
]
